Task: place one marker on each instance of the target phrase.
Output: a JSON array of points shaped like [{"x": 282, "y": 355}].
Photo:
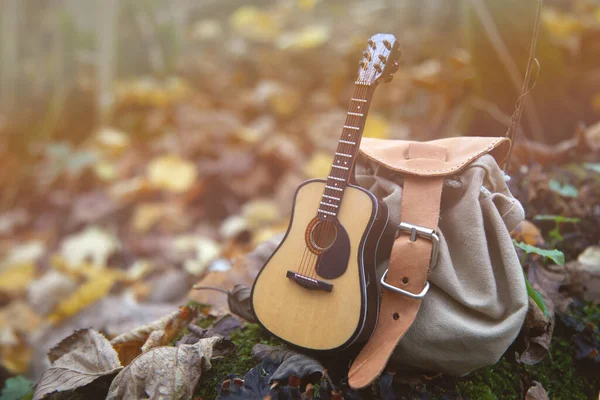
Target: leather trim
[{"x": 461, "y": 151}]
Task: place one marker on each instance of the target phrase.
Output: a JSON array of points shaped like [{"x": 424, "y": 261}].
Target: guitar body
[{"x": 329, "y": 300}]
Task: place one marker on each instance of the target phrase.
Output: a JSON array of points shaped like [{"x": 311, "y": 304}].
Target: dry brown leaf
[
  {"x": 78, "y": 360},
  {"x": 528, "y": 233},
  {"x": 243, "y": 272},
  {"x": 158, "y": 333},
  {"x": 164, "y": 372},
  {"x": 536, "y": 392},
  {"x": 240, "y": 302}
]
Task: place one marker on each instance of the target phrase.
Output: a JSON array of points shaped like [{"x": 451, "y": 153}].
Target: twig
[
  {"x": 515, "y": 119},
  {"x": 509, "y": 63},
  {"x": 209, "y": 288}
]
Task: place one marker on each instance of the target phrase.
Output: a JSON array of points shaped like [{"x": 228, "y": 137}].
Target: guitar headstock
[{"x": 380, "y": 59}]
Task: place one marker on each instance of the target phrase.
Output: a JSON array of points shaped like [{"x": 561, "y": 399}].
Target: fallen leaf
[
  {"x": 158, "y": 333},
  {"x": 78, "y": 360},
  {"x": 318, "y": 166},
  {"x": 27, "y": 253},
  {"x": 261, "y": 212},
  {"x": 289, "y": 362},
  {"x": 112, "y": 141},
  {"x": 20, "y": 317},
  {"x": 93, "y": 244},
  {"x": 377, "y": 127},
  {"x": 15, "y": 280},
  {"x": 566, "y": 190},
  {"x": 240, "y": 302},
  {"x": 171, "y": 173},
  {"x": 536, "y": 392},
  {"x": 164, "y": 372},
  {"x": 310, "y": 37},
  {"x": 253, "y": 23},
  {"x": 16, "y": 356},
  {"x": 49, "y": 290},
  {"x": 583, "y": 275},
  {"x": 205, "y": 249},
  {"x": 17, "y": 388},
  {"x": 243, "y": 272},
  {"x": 88, "y": 293},
  {"x": 538, "y": 329},
  {"x": 528, "y": 233}
]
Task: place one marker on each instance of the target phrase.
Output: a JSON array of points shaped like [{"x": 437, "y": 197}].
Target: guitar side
[{"x": 319, "y": 319}]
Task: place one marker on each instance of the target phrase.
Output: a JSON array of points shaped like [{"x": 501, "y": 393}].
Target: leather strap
[{"x": 408, "y": 269}]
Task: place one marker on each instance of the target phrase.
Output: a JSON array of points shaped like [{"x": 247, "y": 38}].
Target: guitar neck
[{"x": 347, "y": 150}]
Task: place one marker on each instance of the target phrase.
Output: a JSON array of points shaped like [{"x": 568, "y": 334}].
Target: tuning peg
[
  {"x": 382, "y": 59},
  {"x": 363, "y": 64},
  {"x": 378, "y": 67},
  {"x": 372, "y": 44},
  {"x": 387, "y": 44},
  {"x": 367, "y": 55}
]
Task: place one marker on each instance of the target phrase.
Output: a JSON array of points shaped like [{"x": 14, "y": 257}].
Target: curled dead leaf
[
  {"x": 240, "y": 302},
  {"x": 536, "y": 392},
  {"x": 158, "y": 333},
  {"x": 528, "y": 233},
  {"x": 289, "y": 362},
  {"x": 164, "y": 372},
  {"x": 77, "y": 361}
]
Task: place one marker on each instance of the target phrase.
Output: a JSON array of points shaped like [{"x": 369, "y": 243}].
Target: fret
[
  {"x": 328, "y": 204},
  {"x": 347, "y": 142},
  {"x": 340, "y": 167},
  {"x": 336, "y": 178},
  {"x": 361, "y": 100},
  {"x": 356, "y": 114},
  {"x": 356, "y": 128},
  {"x": 334, "y": 188},
  {"x": 344, "y": 155},
  {"x": 331, "y": 197},
  {"x": 327, "y": 212}
]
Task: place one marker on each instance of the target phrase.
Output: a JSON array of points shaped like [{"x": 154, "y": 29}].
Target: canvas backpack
[{"x": 453, "y": 296}]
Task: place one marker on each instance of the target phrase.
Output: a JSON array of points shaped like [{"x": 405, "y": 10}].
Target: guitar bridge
[{"x": 309, "y": 283}]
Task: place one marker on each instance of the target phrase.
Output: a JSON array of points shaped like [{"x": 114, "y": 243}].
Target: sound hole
[{"x": 322, "y": 235}]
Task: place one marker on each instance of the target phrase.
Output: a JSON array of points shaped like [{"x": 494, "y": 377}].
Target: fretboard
[{"x": 346, "y": 152}]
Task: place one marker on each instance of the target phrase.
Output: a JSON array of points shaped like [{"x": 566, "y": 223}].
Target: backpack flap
[{"x": 460, "y": 152}]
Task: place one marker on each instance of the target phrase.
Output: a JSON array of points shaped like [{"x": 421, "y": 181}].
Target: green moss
[{"x": 238, "y": 363}]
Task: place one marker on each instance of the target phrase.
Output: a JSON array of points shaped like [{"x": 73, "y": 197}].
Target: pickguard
[{"x": 334, "y": 261}]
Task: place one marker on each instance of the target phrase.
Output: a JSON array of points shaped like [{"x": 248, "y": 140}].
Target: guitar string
[{"x": 345, "y": 148}]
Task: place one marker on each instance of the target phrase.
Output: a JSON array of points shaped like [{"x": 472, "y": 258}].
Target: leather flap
[{"x": 461, "y": 151}]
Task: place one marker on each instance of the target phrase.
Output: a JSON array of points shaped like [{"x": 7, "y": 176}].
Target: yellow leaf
[
  {"x": 16, "y": 358},
  {"x": 112, "y": 141},
  {"x": 105, "y": 171},
  {"x": 319, "y": 165},
  {"x": 377, "y": 127},
  {"x": 171, "y": 173},
  {"x": 260, "y": 213},
  {"x": 87, "y": 294},
  {"x": 308, "y": 38},
  {"x": 252, "y": 23},
  {"x": 307, "y": 5},
  {"x": 560, "y": 24},
  {"x": 15, "y": 279},
  {"x": 146, "y": 216}
]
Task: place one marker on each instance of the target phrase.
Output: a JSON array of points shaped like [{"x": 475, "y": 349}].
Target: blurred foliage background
[{"x": 156, "y": 140}]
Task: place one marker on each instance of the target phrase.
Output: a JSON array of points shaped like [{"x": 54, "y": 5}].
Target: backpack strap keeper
[{"x": 405, "y": 282}]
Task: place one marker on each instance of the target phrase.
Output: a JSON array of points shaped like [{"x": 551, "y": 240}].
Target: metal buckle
[
  {"x": 415, "y": 231},
  {"x": 402, "y": 291}
]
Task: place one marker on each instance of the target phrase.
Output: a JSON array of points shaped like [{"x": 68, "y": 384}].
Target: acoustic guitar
[{"x": 319, "y": 290}]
